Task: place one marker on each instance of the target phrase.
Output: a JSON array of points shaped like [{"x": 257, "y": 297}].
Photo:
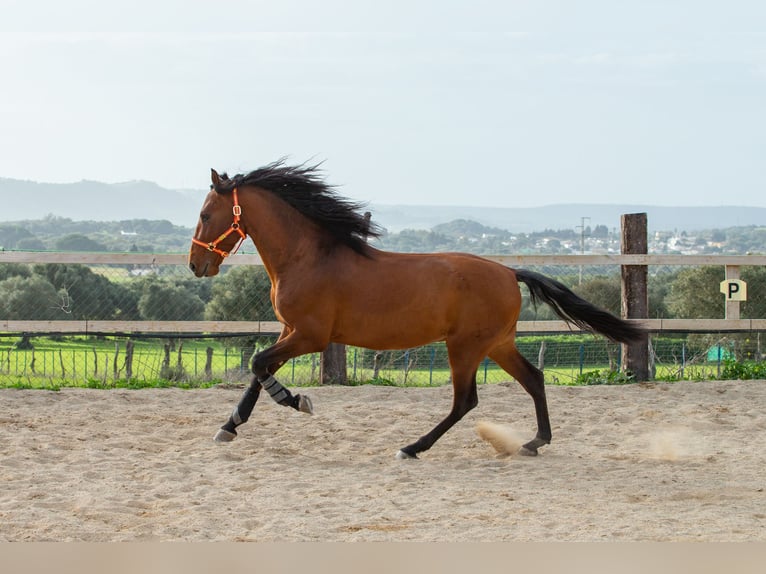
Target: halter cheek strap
[{"x": 234, "y": 227}]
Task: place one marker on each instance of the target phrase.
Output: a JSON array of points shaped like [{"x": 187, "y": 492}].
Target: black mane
[{"x": 303, "y": 188}]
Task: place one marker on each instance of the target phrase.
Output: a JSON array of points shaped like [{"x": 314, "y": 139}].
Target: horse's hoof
[
  {"x": 305, "y": 405},
  {"x": 530, "y": 449},
  {"x": 401, "y": 455},
  {"x": 224, "y": 436},
  {"x": 524, "y": 451}
]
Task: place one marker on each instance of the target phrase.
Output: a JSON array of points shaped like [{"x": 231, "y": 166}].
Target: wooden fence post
[
  {"x": 209, "y": 362},
  {"x": 115, "y": 370},
  {"x": 332, "y": 369},
  {"x": 635, "y": 293},
  {"x": 129, "y": 359}
]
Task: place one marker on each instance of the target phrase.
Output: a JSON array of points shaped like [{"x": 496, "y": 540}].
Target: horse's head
[{"x": 218, "y": 230}]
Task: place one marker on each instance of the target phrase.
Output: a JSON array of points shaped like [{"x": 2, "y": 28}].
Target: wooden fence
[{"x": 731, "y": 263}]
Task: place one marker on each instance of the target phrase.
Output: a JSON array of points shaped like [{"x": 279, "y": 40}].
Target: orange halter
[{"x": 213, "y": 245}]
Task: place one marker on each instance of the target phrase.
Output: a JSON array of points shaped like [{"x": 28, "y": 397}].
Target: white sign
[{"x": 734, "y": 289}]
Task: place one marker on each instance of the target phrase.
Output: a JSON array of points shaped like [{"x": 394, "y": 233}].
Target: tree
[
  {"x": 14, "y": 270},
  {"x": 241, "y": 294},
  {"x": 552, "y": 246},
  {"x": 87, "y": 295},
  {"x": 163, "y": 301},
  {"x": 659, "y": 287},
  {"x": 600, "y": 231},
  {"x": 10, "y": 235},
  {"x": 30, "y": 244},
  {"x": 755, "y": 306},
  {"x": 604, "y": 292},
  {"x": 29, "y": 299},
  {"x": 694, "y": 294},
  {"x": 203, "y": 289},
  {"x": 79, "y": 242}
]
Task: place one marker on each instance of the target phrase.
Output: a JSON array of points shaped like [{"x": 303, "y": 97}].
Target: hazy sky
[{"x": 487, "y": 103}]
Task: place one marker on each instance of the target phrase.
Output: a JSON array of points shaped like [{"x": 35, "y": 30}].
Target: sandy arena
[{"x": 667, "y": 462}]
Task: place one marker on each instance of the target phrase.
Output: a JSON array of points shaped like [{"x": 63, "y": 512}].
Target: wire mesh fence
[
  {"x": 161, "y": 289},
  {"x": 168, "y": 292},
  {"x": 106, "y": 362}
]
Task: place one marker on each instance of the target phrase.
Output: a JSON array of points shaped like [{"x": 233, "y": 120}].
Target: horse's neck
[{"x": 282, "y": 235}]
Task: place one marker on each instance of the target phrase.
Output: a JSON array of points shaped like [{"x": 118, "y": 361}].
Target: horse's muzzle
[{"x": 201, "y": 270}]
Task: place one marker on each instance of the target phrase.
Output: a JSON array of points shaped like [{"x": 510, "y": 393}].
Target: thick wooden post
[
  {"x": 635, "y": 293},
  {"x": 332, "y": 370},
  {"x": 209, "y": 362}
]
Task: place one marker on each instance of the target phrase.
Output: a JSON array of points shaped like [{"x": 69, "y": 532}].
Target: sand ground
[{"x": 668, "y": 462}]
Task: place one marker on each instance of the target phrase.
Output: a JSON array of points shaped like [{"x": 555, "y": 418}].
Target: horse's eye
[{"x": 204, "y": 217}]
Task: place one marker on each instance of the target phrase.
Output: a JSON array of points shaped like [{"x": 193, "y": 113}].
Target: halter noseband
[{"x": 234, "y": 227}]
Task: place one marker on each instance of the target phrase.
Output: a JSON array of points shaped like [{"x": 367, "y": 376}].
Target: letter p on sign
[{"x": 734, "y": 289}]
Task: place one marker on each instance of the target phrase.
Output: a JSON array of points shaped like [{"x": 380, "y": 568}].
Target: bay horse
[{"x": 329, "y": 285}]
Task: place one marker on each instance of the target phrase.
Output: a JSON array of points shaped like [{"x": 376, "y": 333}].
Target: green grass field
[{"x": 102, "y": 363}]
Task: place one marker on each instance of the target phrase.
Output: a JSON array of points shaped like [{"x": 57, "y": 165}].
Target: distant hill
[
  {"x": 96, "y": 201},
  {"x": 568, "y": 216},
  {"x": 91, "y": 200},
  {"x": 466, "y": 228}
]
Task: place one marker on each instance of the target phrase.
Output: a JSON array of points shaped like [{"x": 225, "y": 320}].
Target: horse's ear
[{"x": 215, "y": 178}]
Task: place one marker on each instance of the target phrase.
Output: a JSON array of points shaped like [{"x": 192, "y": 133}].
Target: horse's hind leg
[
  {"x": 531, "y": 378},
  {"x": 464, "y": 399}
]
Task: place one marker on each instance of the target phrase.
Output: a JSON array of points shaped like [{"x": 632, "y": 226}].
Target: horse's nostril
[{"x": 193, "y": 267}]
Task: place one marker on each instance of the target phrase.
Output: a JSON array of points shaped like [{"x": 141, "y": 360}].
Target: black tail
[{"x": 576, "y": 310}]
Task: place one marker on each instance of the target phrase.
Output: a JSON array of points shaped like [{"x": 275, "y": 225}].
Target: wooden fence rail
[{"x": 272, "y": 327}]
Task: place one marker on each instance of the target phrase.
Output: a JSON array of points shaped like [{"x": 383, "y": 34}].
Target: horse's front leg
[
  {"x": 263, "y": 365},
  {"x": 240, "y": 414}
]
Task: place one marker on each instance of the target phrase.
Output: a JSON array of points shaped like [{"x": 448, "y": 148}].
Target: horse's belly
[{"x": 390, "y": 332}]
